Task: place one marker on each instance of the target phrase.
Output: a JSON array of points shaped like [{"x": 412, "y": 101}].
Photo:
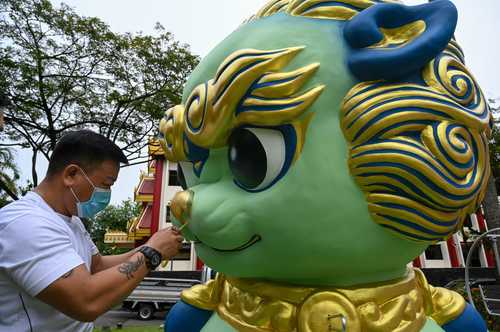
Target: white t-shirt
[{"x": 37, "y": 247}]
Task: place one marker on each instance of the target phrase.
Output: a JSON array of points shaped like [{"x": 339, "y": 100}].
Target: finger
[{"x": 175, "y": 231}]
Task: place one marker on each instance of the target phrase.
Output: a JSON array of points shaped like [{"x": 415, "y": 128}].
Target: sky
[{"x": 202, "y": 24}]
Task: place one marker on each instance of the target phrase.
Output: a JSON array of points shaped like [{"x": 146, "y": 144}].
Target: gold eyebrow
[{"x": 248, "y": 89}]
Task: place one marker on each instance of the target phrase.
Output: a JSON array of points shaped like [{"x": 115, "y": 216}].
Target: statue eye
[{"x": 257, "y": 157}]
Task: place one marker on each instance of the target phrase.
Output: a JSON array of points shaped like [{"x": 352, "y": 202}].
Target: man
[{"x": 52, "y": 277}]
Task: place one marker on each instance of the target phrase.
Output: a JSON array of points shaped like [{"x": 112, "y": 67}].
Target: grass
[{"x": 135, "y": 329}]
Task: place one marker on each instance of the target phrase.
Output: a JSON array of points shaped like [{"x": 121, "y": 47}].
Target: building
[{"x": 452, "y": 253}]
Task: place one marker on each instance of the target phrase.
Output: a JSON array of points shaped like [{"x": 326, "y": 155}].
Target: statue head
[{"x": 329, "y": 142}]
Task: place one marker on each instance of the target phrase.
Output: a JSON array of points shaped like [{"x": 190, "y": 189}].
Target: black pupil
[{"x": 247, "y": 158}]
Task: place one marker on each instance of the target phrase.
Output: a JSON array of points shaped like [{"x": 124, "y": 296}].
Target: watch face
[{"x": 155, "y": 260}]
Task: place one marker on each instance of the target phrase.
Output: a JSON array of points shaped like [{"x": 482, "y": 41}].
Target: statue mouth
[{"x": 256, "y": 238}]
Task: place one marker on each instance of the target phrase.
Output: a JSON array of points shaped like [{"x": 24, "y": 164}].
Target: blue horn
[{"x": 394, "y": 41}]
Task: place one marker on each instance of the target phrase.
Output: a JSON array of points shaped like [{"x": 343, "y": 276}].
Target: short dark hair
[{"x": 85, "y": 149}]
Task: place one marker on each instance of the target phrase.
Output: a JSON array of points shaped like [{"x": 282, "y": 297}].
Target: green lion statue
[{"x": 325, "y": 144}]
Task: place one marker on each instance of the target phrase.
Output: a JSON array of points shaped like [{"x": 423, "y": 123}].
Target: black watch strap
[{"x": 153, "y": 257}]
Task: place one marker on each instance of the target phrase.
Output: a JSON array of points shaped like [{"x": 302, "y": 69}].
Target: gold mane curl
[
  {"x": 323, "y": 9},
  {"x": 419, "y": 152}
]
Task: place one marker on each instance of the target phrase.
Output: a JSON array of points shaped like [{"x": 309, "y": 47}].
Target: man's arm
[
  {"x": 85, "y": 296},
  {"x": 101, "y": 263}
]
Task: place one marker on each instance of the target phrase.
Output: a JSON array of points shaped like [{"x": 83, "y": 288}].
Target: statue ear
[{"x": 392, "y": 41}]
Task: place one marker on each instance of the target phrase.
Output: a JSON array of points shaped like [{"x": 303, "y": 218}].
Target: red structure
[
  {"x": 156, "y": 188},
  {"x": 453, "y": 252}
]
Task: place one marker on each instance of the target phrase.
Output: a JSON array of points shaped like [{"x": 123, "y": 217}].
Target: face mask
[{"x": 98, "y": 201}]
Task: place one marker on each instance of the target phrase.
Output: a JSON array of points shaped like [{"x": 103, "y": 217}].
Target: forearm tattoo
[{"x": 129, "y": 268}]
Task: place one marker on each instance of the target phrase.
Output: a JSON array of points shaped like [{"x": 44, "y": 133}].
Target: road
[{"x": 126, "y": 318}]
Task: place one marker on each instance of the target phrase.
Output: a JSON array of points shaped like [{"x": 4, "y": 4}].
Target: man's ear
[
  {"x": 69, "y": 175},
  {"x": 393, "y": 41}
]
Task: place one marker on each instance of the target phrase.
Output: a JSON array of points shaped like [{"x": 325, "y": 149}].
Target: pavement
[{"x": 126, "y": 318}]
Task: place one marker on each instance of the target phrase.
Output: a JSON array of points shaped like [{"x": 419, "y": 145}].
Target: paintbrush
[{"x": 183, "y": 226}]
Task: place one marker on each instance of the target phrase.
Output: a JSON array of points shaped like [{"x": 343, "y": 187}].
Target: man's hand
[{"x": 167, "y": 242}]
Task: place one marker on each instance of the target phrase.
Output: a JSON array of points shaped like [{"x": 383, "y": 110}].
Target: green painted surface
[
  {"x": 216, "y": 324},
  {"x": 432, "y": 326}
]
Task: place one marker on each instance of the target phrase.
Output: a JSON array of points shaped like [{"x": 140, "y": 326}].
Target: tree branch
[
  {"x": 41, "y": 90},
  {"x": 81, "y": 123},
  {"x": 146, "y": 133},
  {"x": 34, "y": 174},
  {"x": 137, "y": 150},
  {"x": 9, "y": 120},
  {"x": 7, "y": 190},
  {"x": 11, "y": 145},
  {"x": 137, "y": 163},
  {"x": 115, "y": 136}
]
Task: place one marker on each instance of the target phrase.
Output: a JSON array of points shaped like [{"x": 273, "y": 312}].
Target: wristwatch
[{"x": 153, "y": 257}]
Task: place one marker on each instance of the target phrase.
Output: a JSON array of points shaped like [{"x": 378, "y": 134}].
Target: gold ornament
[
  {"x": 401, "y": 36},
  {"x": 322, "y": 9},
  {"x": 258, "y": 306}
]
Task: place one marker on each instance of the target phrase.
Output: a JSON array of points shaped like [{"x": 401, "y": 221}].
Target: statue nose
[{"x": 181, "y": 205}]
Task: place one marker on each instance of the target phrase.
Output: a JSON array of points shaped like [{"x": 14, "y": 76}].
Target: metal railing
[
  {"x": 486, "y": 300},
  {"x": 489, "y": 234}
]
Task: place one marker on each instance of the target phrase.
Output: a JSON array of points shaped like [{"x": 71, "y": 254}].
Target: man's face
[{"x": 102, "y": 176}]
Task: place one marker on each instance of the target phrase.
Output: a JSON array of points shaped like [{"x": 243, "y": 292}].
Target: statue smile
[{"x": 253, "y": 240}]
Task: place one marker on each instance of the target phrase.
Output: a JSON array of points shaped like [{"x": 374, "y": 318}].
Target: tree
[
  {"x": 490, "y": 204},
  {"x": 65, "y": 72},
  {"x": 112, "y": 218},
  {"x": 9, "y": 174},
  {"x": 495, "y": 141}
]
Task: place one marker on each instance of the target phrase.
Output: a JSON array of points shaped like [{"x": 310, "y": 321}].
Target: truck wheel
[{"x": 146, "y": 311}]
